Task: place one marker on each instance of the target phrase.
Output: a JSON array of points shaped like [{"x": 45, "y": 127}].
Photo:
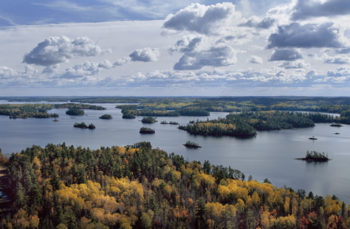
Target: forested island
[
  {"x": 192, "y": 145},
  {"x": 314, "y": 156},
  {"x": 40, "y": 110},
  {"x": 246, "y": 124},
  {"x": 136, "y": 186},
  {"x": 184, "y": 106},
  {"x": 146, "y": 130},
  {"x": 106, "y": 117},
  {"x": 83, "y": 125},
  {"x": 75, "y": 111},
  {"x": 340, "y": 105},
  {"x": 131, "y": 111},
  {"x": 148, "y": 120}
]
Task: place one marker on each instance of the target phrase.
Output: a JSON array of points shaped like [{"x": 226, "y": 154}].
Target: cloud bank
[
  {"x": 59, "y": 49},
  {"x": 219, "y": 56},
  {"x": 145, "y": 55},
  {"x": 285, "y": 54},
  {"x": 306, "y": 36},
  {"x": 202, "y": 19},
  {"x": 306, "y": 9}
]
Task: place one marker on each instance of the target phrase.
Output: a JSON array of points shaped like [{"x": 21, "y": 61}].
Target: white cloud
[
  {"x": 306, "y": 36},
  {"x": 300, "y": 64},
  {"x": 86, "y": 69},
  {"x": 343, "y": 51},
  {"x": 59, "y": 49},
  {"x": 145, "y": 55},
  {"x": 340, "y": 72},
  {"x": 215, "y": 56},
  {"x": 306, "y": 9},
  {"x": 186, "y": 44},
  {"x": 122, "y": 61},
  {"x": 341, "y": 59},
  {"x": 203, "y": 19},
  {"x": 256, "y": 60},
  {"x": 255, "y": 22},
  {"x": 6, "y": 72},
  {"x": 286, "y": 55}
]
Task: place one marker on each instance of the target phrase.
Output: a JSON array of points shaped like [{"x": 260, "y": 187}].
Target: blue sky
[
  {"x": 163, "y": 47},
  {"x": 22, "y": 12}
]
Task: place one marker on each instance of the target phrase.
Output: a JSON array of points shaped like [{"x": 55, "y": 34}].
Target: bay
[{"x": 269, "y": 155}]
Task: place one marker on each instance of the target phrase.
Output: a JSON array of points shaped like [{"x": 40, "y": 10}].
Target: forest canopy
[{"x": 135, "y": 186}]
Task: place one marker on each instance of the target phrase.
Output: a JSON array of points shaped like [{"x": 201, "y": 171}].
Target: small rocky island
[
  {"x": 336, "y": 125},
  {"x": 314, "y": 156},
  {"x": 192, "y": 145},
  {"x": 146, "y": 130},
  {"x": 106, "y": 117},
  {"x": 170, "y": 123},
  {"x": 83, "y": 125},
  {"x": 148, "y": 120}
]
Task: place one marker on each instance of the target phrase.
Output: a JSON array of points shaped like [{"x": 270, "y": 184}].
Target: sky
[{"x": 174, "y": 48}]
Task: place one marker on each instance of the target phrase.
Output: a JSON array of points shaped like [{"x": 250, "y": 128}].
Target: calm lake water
[{"x": 269, "y": 155}]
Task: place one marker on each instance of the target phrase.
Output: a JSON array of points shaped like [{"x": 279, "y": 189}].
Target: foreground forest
[{"x": 136, "y": 186}]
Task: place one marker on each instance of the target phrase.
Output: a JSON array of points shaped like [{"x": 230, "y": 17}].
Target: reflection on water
[{"x": 269, "y": 155}]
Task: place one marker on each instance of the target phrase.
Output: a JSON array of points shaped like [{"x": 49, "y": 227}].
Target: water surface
[{"x": 269, "y": 155}]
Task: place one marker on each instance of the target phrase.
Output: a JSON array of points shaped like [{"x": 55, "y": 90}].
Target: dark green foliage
[
  {"x": 192, "y": 145},
  {"x": 193, "y": 112},
  {"x": 146, "y": 130},
  {"x": 74, "y": 111},
  {"x": 106, "y": 116},
  {"x": 148, "y": 120},
  {"x": 128, "y": 111},
  {"x": 158, "y": 113},
  {"x": 175, "y": 193},
  {"x": 26, "y": 111},
  {"x": 40, "y": 110},
  {"x": 238, "y": 129},
  {"x": 246, "y": 124},
  {"x": 83, "y": 125},
  {"x": 314, "y": 156}
]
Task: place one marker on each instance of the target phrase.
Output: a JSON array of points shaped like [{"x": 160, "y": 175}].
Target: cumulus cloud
[
  {"x": 256, "y": 60},
  {"x": 215, "y": 56},
  {"x": 343, "y": 51},
  {"x": 293, "y": 64},
  {"x": 306, "y": 36},
  {"x": 336, "y": 59},
  {"x": 217, "y": 77},
  {"x": 122, "y": 61},
  {"x": 202, "y": 19},
  {"x": 307, "y": 9},
  {"x": 286, "y": 55},
  {"x": 340, "y": 72},
  {"x": 187, "y": 44},
  {"x": 86, "y": 69},
  {"x": 254, "y": 22},
  {"x": 59, "y": 49},
  {"x": 6, "y": 72},
  {"x": 145, "y": 55}
]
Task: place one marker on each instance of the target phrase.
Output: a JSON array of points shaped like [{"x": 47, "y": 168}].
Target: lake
[{"x": 269, "y": 155}]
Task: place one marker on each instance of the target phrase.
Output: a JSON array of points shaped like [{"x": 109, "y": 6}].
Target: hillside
[{"x": 136, "y": 186}]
